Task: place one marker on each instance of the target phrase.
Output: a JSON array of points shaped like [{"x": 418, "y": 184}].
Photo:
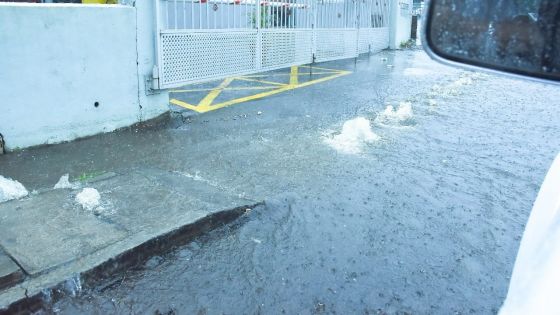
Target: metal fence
[{"x": 201, "y": 40}]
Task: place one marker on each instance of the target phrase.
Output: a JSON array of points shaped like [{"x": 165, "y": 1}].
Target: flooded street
[{"x": 403, "y": 187}]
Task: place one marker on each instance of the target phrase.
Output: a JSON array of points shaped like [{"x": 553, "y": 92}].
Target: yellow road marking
[
  {"x": 265, "y": 94},
  {"x": 260, "y": 81},
  {"x": 294, "y": 75},
  {"x": 183, "y": 104},
  {"x": 287, "y": 74},
  {"x": 206, "y": 104},
  {"x": 241, "y": 88},
  {"x": 208, "y": 99},
  {"x": 325, "y": 69}
]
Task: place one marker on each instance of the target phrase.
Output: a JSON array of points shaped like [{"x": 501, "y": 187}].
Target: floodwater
[{"x": 423, "y": 214}]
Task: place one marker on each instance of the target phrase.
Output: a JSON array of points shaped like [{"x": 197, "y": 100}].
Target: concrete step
[
  {"x": 53, "y": 238},
  {"x": 10, "y": 273}
]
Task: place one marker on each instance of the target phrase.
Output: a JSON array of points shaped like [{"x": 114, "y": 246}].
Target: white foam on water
[
  {"x": 64, "y": 183},
  {"x": 462, "y": 81},
  {"x": 455, "y": 87},
  {"x": 354, "y": 135},
  {"x": 199, "y": 178},
  {"x": 392, "y": 116},
  {"x": 11, "y": 189},
  {"x": 89, "y": 198}
]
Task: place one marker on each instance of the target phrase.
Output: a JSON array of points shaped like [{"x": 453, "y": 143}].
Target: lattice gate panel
[
  {"x": 373, "y": 39},
  {"x": 189, "y": 56},
  {"x": 332, "y": 44},
  {"x": 207, "y": 40},
  {"x": 284, "y": 48}
]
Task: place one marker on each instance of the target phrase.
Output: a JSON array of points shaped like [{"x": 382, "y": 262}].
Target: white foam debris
[
  {"x": 391, "y": 115},
  {"x": 89, "y": 198},
  {"x": 462, "y": 81},
  {"x": 454, "y": 87},
  {"x": 436, "y": 88},
  {"x": 256, "y": 240},
  {"x": 11, "y": 189},
  {"x": 196, "y": 177},
  {"x": 432, "y": 102},
  {"x": 355, "y": 134},
  {"x": 64, "y": 183}
]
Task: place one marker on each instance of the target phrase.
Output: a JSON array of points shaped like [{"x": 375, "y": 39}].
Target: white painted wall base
[{"x": 58, "y": 60}]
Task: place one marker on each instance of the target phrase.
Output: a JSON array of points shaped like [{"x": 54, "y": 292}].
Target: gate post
[
  {"x": 358, "y": 8},
  {"x": 313, "y": 17},
  {"x": 153, "y": 101},
  {"x": 258, "y": 47},
  {"x": 157, "y": 39}
]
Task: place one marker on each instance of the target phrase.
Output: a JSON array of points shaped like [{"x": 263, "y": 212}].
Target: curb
[{"x": 130, "y": 258}]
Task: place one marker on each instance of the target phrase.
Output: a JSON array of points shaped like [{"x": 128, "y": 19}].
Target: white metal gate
[{"x": 201, "y": 40}]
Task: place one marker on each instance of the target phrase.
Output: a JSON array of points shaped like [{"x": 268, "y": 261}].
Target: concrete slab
[
  {"x": 141, "y": 204},
  {"x": 152, "y": 201},
  {"x": 54, "y": 239},
  {"x": 192, "y": 185},
  {"x": 50, "y": 229},
  {"x": 10, "y": 273}
]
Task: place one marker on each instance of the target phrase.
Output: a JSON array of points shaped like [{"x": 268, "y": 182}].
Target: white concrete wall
[
  {"x": 400, "y": 22},
  {"x": 56, "y": 61}
]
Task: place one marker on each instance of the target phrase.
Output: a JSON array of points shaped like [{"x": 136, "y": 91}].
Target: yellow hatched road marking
[
  {"x": 294, "y": 76},
  {"x": 288, "y": 74},
  {"x": 206, "y": 104},
  {"x": 183, "y": 104},
  {"x": 260, "y": 81},
  {"x": 325, "y": 69},
  {"x": 241, "y": 88},
  {"x": 208, "y": 99}
]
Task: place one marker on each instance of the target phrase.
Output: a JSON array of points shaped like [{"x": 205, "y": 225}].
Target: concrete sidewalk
[{"x": 48, "y": 237}]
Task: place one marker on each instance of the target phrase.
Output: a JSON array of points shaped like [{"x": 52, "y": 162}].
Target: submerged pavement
[
  {"x": 403, "y": 186},
  {"x": 51, "y": 238}
]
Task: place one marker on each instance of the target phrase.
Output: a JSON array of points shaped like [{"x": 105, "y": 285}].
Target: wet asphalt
[{"x": 426, "y": 220}]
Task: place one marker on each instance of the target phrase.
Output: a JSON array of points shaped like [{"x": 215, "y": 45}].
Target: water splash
[
  {"x": 455, "y": 87},
  {"x": 73, "y": 286},
  {"x": 403, "y": 115},
  {"x": 354, "y": 135},
  {"x": 88, "y": 198},
  {"x": 64, "y": 183},
  {"x": 11, "y": 189}
]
